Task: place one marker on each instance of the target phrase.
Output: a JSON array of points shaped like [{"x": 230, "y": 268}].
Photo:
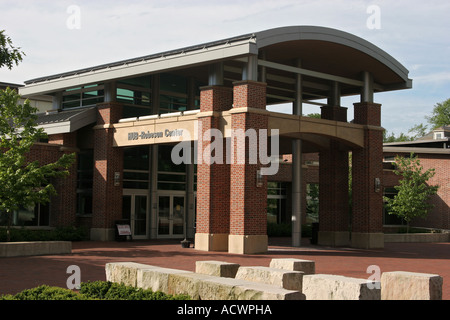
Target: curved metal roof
[{"x": 321, "y": 50}]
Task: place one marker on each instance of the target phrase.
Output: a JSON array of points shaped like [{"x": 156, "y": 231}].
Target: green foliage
[
  {"x": 97, "y": 290},
  {"x": 45, "y": 292},
  {"x": 413, "y": 191},
  {"x": 57, "y": 234},
  {"x": 312, "y": 202},
  {"x": 9, "y": 55},
  {"x": 440, "y": 115},
  {"x": 115, "y": 291},
  {"x": 24, "y": 183},
  {"x": 392, "y": 138},
  {"x": 419, "y": 130}
]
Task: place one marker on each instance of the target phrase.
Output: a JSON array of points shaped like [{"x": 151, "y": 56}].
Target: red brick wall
[
  {"x": 107, "y": 198},
  {"x": 63, "y": 205},
  {"x": 439, "y": 216},
  {"x": 367, "y": 164},
  {"x": 213, "y": 180},
  {"x": 248, "y": 214}
]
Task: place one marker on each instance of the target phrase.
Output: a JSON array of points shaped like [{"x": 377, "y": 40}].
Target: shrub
[
  {"x": 57, "y": 234},
  {"x": 97, "y": 290},
  {"x": 45, "y": 292},
  {"x": 114, "y": 291}
]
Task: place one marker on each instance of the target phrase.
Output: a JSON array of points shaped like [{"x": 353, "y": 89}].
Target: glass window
[
  {"x": 170, "y": 175},
  {"x": 85, "y": 180},
  {"x": 136, "y": 158},
  {"x": 173, "y": 83},
  {"x": 39, "y": 215},
  {"x": 136, "y": 167},
  {"x": 276, "y": 202},
  {"x": 173, "y": 93},
  {"x": 83, "y": 96},
  {"x": 391, "y": 219},
  {"x": 135, "y": 95}
]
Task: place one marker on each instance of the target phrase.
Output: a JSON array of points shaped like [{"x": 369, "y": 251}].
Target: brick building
[
  {"x": 131, "y": 122},
  {"x": 433, "y": 151}
]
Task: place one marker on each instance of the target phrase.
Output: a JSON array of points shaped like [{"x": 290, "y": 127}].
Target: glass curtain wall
[
  {"x": 276, "y": 202},
  {"x": 86, "y": 96},
  {"x": 136, "y": 96}
]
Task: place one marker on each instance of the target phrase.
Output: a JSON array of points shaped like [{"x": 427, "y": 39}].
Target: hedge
[{"x": 97, "y": 290}]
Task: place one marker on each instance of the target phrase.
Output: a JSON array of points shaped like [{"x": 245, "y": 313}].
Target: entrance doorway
[
  {"x": 135, "y": 209},
  {"x": 171, "y": 215}
]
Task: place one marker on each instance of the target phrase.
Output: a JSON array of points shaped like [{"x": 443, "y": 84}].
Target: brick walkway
[{"x": 18, "y": 273}]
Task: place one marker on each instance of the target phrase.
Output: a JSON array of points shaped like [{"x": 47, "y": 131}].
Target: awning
[{"x": 55, "y": 122}]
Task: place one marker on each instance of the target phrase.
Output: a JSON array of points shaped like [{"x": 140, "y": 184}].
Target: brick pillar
[
  {"x": 248, "y": 216},
  {"x": 107, "y": 197},
  {"x": 213, "y": 178},
  {"x": 333, "y": 187},
  {"x": 367, "y": 166},
  {"x": 63, "y": 205}
]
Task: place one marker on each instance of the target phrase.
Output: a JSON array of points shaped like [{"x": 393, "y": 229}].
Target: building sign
[
  {"x": 154, "y": 133},
  {"x": 135, "y": 135}
]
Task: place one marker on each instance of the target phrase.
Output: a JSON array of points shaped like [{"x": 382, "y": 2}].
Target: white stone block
[
  {"x": 333, "y": 287},
  {"x": 217, "y": 268},
  {"x": 401, "y": 285},
  {"x": 287, "y": 279},
  {"x": 306, "y": 266},
  {"x": 155, "y": 278}
]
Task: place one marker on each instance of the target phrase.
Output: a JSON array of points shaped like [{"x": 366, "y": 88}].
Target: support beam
[
  {"x": 250, "y": 71},
  {"x": 216, "y": 74},
  {"x": 368, "y": 88},
  {"x": 297, "y": 169}
]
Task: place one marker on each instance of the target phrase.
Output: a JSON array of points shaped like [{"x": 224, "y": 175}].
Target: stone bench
[
  {"x": 287, "y": 279},
  {"x": 333, "y": 287},
  {"x": 34, "y": 248},
  {"x": 306, "y": 266},
  {"x": 217, "y": 268},
  {"x": 197, "y": 286},
  {"x": 401, "y": 285},
  {"x": 206, "y": 287}
]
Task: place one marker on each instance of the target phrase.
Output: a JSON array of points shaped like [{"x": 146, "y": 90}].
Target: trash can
[
  {"x": 314, "y": 232},
  {"x": 122, "y": 230}
]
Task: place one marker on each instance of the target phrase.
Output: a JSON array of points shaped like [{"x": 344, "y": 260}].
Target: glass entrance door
[
  {"x": 135, "y": 209},
  {"x": 171, "y": 211}
]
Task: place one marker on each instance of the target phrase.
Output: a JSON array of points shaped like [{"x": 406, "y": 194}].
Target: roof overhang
[
  {"x": 322, "y": 51},
  {"x": 416, "y": 150},
  {"x": 66, "y": 121}
]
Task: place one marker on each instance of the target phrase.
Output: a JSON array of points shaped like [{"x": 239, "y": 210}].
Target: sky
[{"x": 64, "y": 35}]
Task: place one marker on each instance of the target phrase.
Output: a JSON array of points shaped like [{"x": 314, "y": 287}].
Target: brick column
[
  {"x": 63, "y": 207},
  {"x": 213, "y": 179},
  {"x": 248, "y": 216},
  {"x": 333, "y": 187},
  {"x": 367, "y": 166},
  {"x": 107, "y": 197}
]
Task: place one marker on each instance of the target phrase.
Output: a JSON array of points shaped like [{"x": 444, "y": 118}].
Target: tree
[
  {"x": 440, "y": 115},
  {"x": 419, "y": 131},
  {"x": 413, "y": 191},
  {"x": 9, "y": 55},
  {"x": 24, "y": 183},
  {"x": 392, "y": 138}
]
